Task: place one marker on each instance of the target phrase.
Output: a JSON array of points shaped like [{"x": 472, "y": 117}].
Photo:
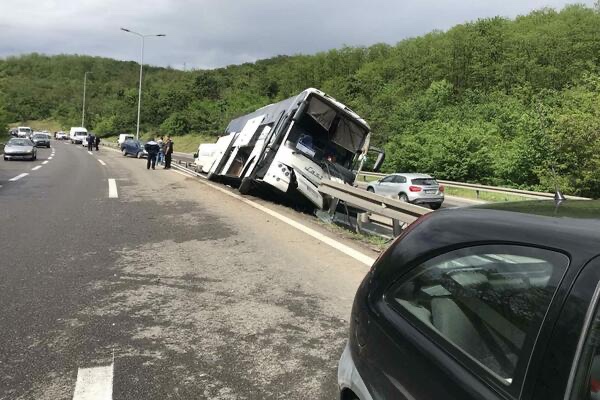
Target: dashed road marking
[
  {"x": 50, "y": 158},
  {"x": 102, "y": 162},
  {"x": 349, "y": 251},
  {"x": 36, "y": 168},
  {"x": 112, "y": 189},
  {"x": 16, "y": 178},
  {"x": 90, "y": 153},
  {"x": 45, "y": 162},
  {"x": 94, "y": 383}
]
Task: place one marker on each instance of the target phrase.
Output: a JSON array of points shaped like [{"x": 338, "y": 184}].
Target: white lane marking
[
  {"x": 36, "y": 168},
  {"x": 112, "y": 189},
  {"x": 94, "y": 383},
  {"x": 16, "y": 178},
  {"x": 102, "y": 162},
  {"x": 45, "y": 162},
  {"x": 349, "y": 251},
  {"x": 50, "y": 158},
  {"x": 90, "y": 153}
]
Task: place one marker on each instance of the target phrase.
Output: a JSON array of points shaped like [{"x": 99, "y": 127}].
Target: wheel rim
[{"x": 403, "y": 198}]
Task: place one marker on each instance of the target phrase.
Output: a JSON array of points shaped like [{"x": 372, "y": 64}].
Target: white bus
[{"x": 294, "y": 144}]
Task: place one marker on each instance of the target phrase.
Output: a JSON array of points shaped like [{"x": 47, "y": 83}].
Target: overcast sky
[{"x": 214, "y": 33}]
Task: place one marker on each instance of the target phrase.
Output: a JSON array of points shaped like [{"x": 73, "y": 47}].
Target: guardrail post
[
  {"x": 396, "y": 227},
  {"x": 477, "y": 194}
]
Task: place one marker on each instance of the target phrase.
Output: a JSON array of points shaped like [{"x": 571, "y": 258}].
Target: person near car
[
  {"x": 152, "y": 149},
  {"x": 90, "y": 141},
  {"x": 97, "y": 142},
  {"x": 161, "y": 152},
  {"x": 168, "y": 152}
]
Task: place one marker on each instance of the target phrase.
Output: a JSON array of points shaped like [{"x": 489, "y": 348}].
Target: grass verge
[{"x": 183, "y": 144}]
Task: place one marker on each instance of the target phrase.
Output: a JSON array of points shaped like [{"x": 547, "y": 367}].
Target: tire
[
  {"x": 139, "y": 154},
  {"x": 246, "y": 186},
  {"x": 435, "y": 206},
  {"x": 370, "y": 189},
  {"x": 124, "y": 152},
  {"x": 6, "y": 159},
  {"x": 403, "y": 197}
]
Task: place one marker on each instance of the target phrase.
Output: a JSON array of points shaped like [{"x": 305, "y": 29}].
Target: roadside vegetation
[{"x": 495, "y": 101}]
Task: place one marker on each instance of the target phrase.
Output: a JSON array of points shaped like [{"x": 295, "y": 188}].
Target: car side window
[
  {"x": 388, "y": 179},
  {"x": 399, "y": 179},
  {"x": 486, "y": 302}
]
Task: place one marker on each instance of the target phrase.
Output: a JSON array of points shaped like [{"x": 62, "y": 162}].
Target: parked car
[
  {"x": 412, "y": 188},
  {"x": 490, "y": 302},
  {"x": 41, "y": 140},
  {"x": 22, "y": 148},
  {"x": 134, "y": 147},
  {"x": 61, "y": 136}
]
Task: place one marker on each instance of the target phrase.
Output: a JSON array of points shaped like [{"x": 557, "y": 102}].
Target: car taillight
[
  {"x": 414, "y": 188},
  {"x": 441, "y": 188}
]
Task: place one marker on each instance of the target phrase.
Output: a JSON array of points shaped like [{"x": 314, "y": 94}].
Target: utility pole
[{"x": 137, "y": 134}]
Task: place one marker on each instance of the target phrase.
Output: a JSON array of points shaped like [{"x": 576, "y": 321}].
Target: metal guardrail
[
  {"x": 396, "y": 210},
  {"x": 485, "y": 188}
]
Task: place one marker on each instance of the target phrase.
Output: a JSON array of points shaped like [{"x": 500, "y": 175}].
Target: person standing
[
  {"x": 161, "y": 151},
  {"x": 152, "y": 149},
  {"x": 168, "y": 152},
  {"x": 90, "y": 141},
  {"x": 97, "y": 142}
]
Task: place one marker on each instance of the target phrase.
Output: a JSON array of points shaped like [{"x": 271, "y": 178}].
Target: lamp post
[
  {"x": 137, "y": 135},
  {"x": 83, "y": 109}
]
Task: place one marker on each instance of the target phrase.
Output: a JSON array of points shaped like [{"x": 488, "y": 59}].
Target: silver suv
[{"x": 411, "y": 188}]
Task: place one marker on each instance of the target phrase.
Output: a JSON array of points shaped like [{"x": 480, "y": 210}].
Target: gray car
[
  {"x": 20, "y": 148},
  {"x": 412, "y": 188},
  {"x": 41, "y": 140}
]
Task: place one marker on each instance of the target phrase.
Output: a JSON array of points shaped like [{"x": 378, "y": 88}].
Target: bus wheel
[{"x": 246, "y": 186}]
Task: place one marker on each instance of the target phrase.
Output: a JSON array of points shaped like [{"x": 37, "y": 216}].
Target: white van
[
  {"x": 24, "y": 131},
  {"x": 205, "y": 156},
  {"x": 78, "y": 135},
  {"x": 123, "y": 137}
]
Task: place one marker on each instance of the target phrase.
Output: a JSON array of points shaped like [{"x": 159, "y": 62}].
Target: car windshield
[
  {"x": 19, "y": 142},
  {"x": 424, "y": 181},
  {"x": 40, "y": 136}
]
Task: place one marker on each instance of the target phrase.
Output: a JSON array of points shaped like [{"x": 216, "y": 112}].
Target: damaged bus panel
[{"x": 292, "y": 145}]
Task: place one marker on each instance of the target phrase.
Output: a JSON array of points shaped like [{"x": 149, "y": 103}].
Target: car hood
[{"x": 17, "y": 149}]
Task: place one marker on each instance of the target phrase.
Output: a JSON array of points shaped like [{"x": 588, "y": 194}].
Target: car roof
[
  {"x": 571, "y": 227},
  {"x": 413, "y": 175}
]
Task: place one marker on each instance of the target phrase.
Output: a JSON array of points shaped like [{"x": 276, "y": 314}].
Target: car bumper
[
  {"x": 19, "y": 156},
  {"x": 349, "y": 378},
  {"x": 427, "y": 200},
  {"x": 42, "y": 144}
]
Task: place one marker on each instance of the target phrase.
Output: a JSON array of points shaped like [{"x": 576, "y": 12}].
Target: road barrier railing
[
  {"x": 483, "y": 188},
  {"x": 396, "y": 210}
]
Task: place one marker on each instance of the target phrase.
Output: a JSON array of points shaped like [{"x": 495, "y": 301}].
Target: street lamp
[
  {"x": 83, "y": 109},
  {"x": 137, "y": 135}
]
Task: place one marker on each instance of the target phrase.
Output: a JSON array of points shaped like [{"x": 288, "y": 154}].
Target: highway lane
[{"x": 194, "y": 294}]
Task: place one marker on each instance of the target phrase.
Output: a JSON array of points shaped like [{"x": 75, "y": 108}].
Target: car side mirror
[
  {"x": 195, "y": 155},
  {"x": 380, "y": 159}
]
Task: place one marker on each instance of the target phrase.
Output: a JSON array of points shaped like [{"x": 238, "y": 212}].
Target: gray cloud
[{"x": 213, "y": 33}]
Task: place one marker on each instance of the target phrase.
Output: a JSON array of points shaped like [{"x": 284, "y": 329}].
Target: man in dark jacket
[
  {"x": 97, "y": 142},
  {"x": 168, "y": 152},
  {"x": 90, "y": 141},
  {"x": 152, "y": 148}
]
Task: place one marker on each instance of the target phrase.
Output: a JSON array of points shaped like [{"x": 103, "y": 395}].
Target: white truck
[
  {"x": 78, "y": 135},
  {"x": 292, "y": 145}
]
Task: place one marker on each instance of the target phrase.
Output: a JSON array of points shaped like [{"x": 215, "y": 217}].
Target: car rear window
[
  {"x": 424, "y": 181},
  {"x": 486, "y": 301}
]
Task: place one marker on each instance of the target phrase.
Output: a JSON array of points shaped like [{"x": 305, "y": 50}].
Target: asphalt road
[{"x": 174, "y": 288}]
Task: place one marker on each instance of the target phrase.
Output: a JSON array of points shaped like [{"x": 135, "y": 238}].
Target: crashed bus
[{"x": 292, "y": 145}]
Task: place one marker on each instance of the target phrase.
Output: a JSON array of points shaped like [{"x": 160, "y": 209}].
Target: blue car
[{"x": 133, "y": 147}]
